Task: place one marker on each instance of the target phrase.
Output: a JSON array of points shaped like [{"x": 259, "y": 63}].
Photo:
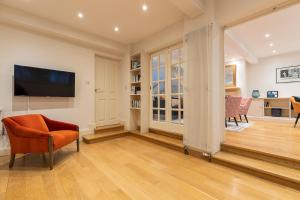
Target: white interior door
[{"x": 106, "y": 72}]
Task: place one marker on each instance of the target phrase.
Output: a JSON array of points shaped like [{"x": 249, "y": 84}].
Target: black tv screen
[{"x": 31, "y": 81}]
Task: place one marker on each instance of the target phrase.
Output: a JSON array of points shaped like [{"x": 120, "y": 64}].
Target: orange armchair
[
  {"x": 38, "y": 134},
  {"x": 296, "y": 106}
]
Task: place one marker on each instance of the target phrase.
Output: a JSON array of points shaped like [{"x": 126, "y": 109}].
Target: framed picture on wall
[
  {"x": 230, "y": 76},
  {"x": 288, "y": 74}
]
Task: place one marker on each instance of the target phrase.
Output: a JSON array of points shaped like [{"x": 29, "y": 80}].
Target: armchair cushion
[
  {"x": 57, "y": 125},
  {"x": 32, "y": 121},
  {"x": 64, "y": 137}
]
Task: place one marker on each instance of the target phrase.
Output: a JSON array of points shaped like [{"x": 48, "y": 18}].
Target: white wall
[
  {"x": 241, "y": 75},
  {"x": 18, "y": 47},
  {"x": 262, "y": 76},
  {"x": 124, "y": 101}
]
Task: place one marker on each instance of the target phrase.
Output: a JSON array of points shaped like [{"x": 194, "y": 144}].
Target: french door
[{"x": 167, "y": 89}]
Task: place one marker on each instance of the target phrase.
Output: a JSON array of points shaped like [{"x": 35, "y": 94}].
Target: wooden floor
[
  {"x": 130, "y": 168},
  {"x": 274, "y": 137}
]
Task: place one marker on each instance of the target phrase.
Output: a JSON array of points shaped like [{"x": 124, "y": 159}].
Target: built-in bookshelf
[
  {"x": 139, "y": 91},
  {"x": 135, "y": 82}
]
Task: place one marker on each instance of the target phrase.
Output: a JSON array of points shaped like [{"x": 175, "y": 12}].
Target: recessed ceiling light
[
  {"x": 116, "y": 29},
  {"x": 271, "y": 44},
  {"x": 80, "y": 15},
  {"x": 267, "y": 35},
  {"x": 274, "y": 51},
  {"x": 144, "y": 7}
]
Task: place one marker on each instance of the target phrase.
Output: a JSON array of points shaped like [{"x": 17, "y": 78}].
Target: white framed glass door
[{"x": 166, "y": 80}]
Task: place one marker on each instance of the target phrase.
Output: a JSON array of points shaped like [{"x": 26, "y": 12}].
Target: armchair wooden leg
[
  {"x": 297, "y": 120},
  {"x": 236, "y": 121},
  {"x": 12, "y": 160},
  {"x": 241, "y": 118},
  {"x": 246, "y": 118},
  {"x": 225, "y": 122},
  {"x": 50, "y": 148},
  {"x": 77, "y": 141}
]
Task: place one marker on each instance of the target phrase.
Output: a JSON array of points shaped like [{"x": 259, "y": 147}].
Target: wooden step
[
  {"x": 166, "y": 133},
  {"x": 109, "y": 128},
  {"x": 277, "y": 159},
  {"x": 276, "y": 173},
  {"x": 93, "y": 138},
  {"x": 169, "y": 142}
]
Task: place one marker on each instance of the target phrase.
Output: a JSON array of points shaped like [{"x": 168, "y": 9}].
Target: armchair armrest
[
  {"x": 25, "y": 132},
  {"x": 57, "y": 125}
]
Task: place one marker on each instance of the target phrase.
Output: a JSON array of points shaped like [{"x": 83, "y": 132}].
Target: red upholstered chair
[{"x": 38, "y": 134}]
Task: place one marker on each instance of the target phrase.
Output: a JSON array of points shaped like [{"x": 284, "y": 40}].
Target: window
[{"x": 167, "y": 86}]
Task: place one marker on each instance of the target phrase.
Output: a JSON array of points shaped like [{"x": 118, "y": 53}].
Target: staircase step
[
  {"x": 277, "y": 173},
  {"x": 93, "y": 138},
  {"x": 169, "y": 142},
  {"x": 166, "y": 133},
  {"x": 109, "y": 128},
  {"x": 281, "y": 160}
]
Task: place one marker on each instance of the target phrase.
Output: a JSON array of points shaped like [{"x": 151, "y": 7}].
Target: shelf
[
  {"x": 135, "y": 70},
  {"x": 283, "y": 108},
  {"x": 135, "y": 83},
  {"x": 135, "y": 108},
  {"x": 135, "y": 95},
  {"x": 231, "y": 89}
]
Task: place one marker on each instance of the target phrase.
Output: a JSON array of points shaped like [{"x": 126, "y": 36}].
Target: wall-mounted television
[{"x": 32, "y": 81}]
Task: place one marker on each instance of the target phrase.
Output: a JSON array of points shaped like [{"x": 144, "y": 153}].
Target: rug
[{"x": 231, "y": 126}]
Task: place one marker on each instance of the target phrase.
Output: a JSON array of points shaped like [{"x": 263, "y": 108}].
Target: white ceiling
[
  {"x": 100, "y": 16},
  {"x": 283, "y": 27}
]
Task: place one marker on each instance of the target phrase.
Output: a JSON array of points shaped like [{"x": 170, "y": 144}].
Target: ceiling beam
[
  {"x": 191, "y": 8},
  {"x": 234, "y": 43}
]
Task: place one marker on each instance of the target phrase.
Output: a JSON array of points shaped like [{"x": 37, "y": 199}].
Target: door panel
[{"x": 106, "y": 72}]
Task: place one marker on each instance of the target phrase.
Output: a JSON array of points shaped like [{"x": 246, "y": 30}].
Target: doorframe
[{"x": 248, "y": 18}]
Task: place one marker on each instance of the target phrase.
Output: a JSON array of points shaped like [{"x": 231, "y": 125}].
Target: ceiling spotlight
[
  {"x": 267, "y": 35},
  {"x": 116, "y": 29},
  {"x": 274, "y": 51},
  {"x": 80, "y": 15},
  {"x": 144, "y": 7},
  {"x": 271, "y": 44}
]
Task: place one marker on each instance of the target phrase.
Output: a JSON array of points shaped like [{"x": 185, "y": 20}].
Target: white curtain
[{"x": 204, "y": 89}]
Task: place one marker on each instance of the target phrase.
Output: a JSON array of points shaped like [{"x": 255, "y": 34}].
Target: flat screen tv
[{"x": 31, "y": 81}]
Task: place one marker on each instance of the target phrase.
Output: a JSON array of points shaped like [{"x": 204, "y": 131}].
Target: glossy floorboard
[
  {"x": 130, "y": 168},
  {"x": 274, "y": 137}
]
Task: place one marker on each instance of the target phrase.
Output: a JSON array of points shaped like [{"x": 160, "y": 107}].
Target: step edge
[
  {"x": 166, "y": 133},
  {"x": 161, "y": 140},
  {"x": 259, "y": 170},
  {"x": 164, "y": 143},
  {"x": 104, "y": 136},
  {"x": 109, "y": 127},
  {"x": 258, "y": 152}
]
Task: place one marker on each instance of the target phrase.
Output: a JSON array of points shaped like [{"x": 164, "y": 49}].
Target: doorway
[{"x": 106, "y": 91}]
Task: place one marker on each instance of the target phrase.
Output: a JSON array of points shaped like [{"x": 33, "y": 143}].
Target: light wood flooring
[
  {"x": 131, "y": 168},
  {"x": 274, "y": 137}
]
